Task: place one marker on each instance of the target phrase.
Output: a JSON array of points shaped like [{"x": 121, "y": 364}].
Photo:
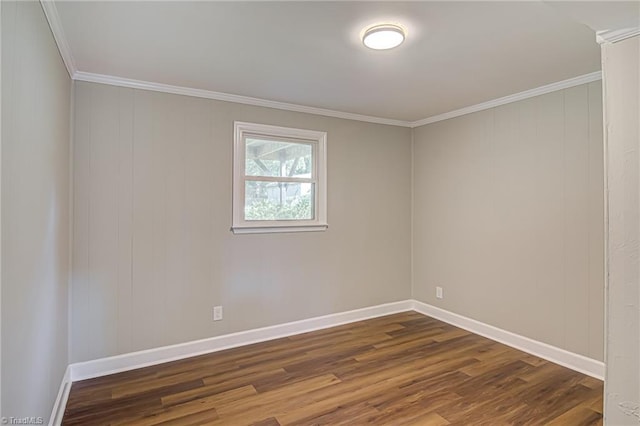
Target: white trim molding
[
  {"x": 53, "y": 18},
  {"x": 207, "y": 94},
  {"x": 130, "y": 361},
  {"x": 227, "y": 97},
  {"x": 614, "y": 36},
  {"x": 315, "y": 141},
  {"x": 580, "y": 363},
  {"x": 57, "y": 413},
  {"x": 560, "y": 85},
  {"x": 133, "y": 360},
  {"x": 51, "y": 13},
  {"x": 278, "y": 229}
]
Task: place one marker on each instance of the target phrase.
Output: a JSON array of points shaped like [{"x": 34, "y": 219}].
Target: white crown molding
[
  {"x": 227, "y": 97},
  {"x": 560, "y": 85},
  {"x": 614, "y": 36},
  {"x": 53, "y": 18},
  {"x": 207, "y": 94},
  {"x": 51, "y": 13},
  {"x": 577, "y": 362}
]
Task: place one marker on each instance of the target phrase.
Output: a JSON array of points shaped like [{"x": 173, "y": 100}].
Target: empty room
[{"x": 320, "y": 213}]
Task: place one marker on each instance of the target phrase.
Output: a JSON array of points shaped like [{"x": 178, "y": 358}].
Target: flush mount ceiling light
[{"x": 383, "y": 37}]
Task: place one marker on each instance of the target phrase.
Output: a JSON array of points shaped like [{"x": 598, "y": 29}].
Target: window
[{"x": 279, "y": 179}]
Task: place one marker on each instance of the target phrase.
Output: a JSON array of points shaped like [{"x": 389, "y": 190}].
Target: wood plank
[{"x": 402, "y": 369}]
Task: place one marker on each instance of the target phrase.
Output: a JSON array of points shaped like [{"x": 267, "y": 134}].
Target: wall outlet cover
[{"x": 217, "y": 313}]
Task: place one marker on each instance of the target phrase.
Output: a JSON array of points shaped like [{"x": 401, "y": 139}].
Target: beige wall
[
  {"x": 508, "y": 217},
  {"x": 35, "y": 212},
  {"x": 621, "y": 65},
  {"x": 152, "y": 249},
  {"x": 508, "y": 214}
]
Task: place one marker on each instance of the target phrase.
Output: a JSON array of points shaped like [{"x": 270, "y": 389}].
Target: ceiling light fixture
[{"x": 383, "y": 37}]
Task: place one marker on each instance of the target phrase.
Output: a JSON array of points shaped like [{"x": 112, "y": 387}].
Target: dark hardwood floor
[{"x": 394, "y": 370}]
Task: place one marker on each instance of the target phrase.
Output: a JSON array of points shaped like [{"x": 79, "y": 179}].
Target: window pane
[
  {"x": 278, "y": 200},
  {"x": 277, "y": 158}
]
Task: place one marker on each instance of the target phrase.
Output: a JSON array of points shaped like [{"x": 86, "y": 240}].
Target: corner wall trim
[
  {"x": 130, "y": 361},
  {"x": 61, "y": 400},
  {"x": 580, "y": 363},
  {"x": 614, "y": 36},
  {"x": 560, "y": 85},
  {"x": 51, "y": 13}
]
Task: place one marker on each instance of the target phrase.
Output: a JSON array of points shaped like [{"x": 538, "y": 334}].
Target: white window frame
[{"x": 318, "y": 140}]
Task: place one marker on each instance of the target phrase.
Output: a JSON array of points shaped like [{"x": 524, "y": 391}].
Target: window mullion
[{"x": 279, "y": 179}]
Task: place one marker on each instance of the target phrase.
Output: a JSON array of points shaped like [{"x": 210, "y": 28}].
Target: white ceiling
[
  {"x": 310, "y": 53},
  {"x": 601, "y": 15}
]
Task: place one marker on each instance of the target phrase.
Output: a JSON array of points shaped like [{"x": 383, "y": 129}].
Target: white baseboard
[
  {"x": 61, "y": 400},
  {"x": 580, "y": 363},
  {"x": 133, "y": 360}
]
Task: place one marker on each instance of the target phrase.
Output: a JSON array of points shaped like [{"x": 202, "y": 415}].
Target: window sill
[{"x": 277, "y": 229}]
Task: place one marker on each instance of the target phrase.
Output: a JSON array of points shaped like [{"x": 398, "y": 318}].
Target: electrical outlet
[
  {"x": 217, "y": 313},
  {"x": 439, "y": 294}
]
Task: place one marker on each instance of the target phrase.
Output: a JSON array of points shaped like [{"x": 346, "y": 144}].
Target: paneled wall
[
  {"x": 152, "y": 249},
  {"x": 36, "y": 95},
  {"x": 508, "y": 217}
]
